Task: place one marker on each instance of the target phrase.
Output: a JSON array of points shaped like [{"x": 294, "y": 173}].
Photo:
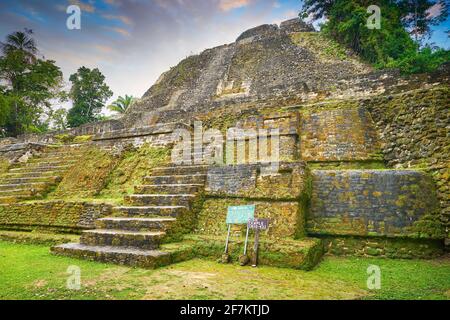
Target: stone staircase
[
  {"x": 36, "y": 177},
  {"x": 133, "y": 233}
]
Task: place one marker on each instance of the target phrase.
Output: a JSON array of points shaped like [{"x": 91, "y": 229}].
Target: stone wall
[
  {"x": 281, "y": 197},
  {"x": 249, "y": 181},
  {"x": 286, "y": 217},
  {"x": 383, "y": 247},
  {"x": 58, "y": 216},
  {"x": 20, "y": 152},
  {"x": 414, "y": 128},
  {"x": 393, "y": 203},
  {"x": 338, "y": 132}
]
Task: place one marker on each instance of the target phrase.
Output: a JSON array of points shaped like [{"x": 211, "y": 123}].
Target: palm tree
[
  {"x": 21, "y": 41},
  {"x": 121, "y": 104}
]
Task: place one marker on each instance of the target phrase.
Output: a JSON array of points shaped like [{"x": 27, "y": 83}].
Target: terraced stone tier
[
  {"x": 125, "y": 256},
  {"x": 30, "y": 174},
  {"x": 13, "y": 192},
  {"x": 176, "y": 179},
  {"x": 28, "y": 185},
  {"x": 46, "y": 164},
  {"x": 134, "y": 224},
  {"x": 148, "y": 211},
  {"x": 13, "y": 199},
  {"x": 180, "y": 170},
  {"x": 148, "y": 240},
  {"x": 49, "y": 179},
  {"x": 159, "y": 199},
  {"x": 167, "y": 189},
  {"x": 42, "y": 169}
]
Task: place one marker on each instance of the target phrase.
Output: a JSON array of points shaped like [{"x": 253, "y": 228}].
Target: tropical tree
[
  {"x": 121, "y": 104},
  {"x": 29, "y": 86},
  {"x": 89, "y": 93},
  {"x": 390, "y": 46},
  {"x": 21, "y": 41}
]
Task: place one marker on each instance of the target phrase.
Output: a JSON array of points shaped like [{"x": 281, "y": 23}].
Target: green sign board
[{"x": 240, "y": 214}]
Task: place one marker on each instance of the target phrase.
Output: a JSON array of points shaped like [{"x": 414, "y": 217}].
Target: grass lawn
[{"x": 31, "y": 272}]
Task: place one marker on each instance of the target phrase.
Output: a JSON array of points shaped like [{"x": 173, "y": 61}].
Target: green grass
[{"x": 31, "y": 272}]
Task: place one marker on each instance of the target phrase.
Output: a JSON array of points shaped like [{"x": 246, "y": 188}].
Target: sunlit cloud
[
  {"x": 123, "y": 19},
  {"x": 226, "y": 5},
  {"x": 435, "y": 10},
  {"x": 83, "y": 6},
  {"x": 120, "y": 31},
  {"x": 105, "y": 49}
]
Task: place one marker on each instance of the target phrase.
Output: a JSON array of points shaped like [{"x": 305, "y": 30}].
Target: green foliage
[
  {"x": 59, "y": 119},
  {"x": 30, "y": 86},
  {"x": 89, "y": 93},
  {"x": 425, "y": 60},
  {"x": 22, "y": 41},
  {"x": 121, "y": 104},
  {"x": 390, "y": 46}
]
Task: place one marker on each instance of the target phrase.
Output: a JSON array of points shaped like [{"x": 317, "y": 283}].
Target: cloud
[
  {"x": 121, "y": 31},
  {"x": 226, "y": 5},
  {"x": 83, "y": 6},
  {"x": 105, "y": 49},
  {"x": 123, "y": 19},
  {"x": 435, "y": 10}
]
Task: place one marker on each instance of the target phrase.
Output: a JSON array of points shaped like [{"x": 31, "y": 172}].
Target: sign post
[
  {"x": 238, "y": 215},
  {"x": 257, "y": 224}
]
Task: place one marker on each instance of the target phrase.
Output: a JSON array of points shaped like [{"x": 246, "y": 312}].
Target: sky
[{"x": 133, "y": 41}]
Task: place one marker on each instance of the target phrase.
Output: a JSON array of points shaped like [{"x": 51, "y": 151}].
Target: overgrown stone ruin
[{"x": 364, "y": 161}]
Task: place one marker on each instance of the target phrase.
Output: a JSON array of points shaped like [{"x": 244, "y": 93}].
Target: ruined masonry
[{"x": 363, "y": 169}]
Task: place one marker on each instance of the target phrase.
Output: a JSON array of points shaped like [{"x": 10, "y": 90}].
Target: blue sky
[{"x": 133, "y": 41}]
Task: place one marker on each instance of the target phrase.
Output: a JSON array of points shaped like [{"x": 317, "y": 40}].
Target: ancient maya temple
[{"x": 363, "y": 161}]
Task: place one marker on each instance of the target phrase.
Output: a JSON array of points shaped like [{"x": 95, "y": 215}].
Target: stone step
[
  {"x": 134, "y": 224},
  {"x": 29, "y": 174},
  {"x": 125, "y": 256},
  {"x": 148, "y": 240},
  {"x": 13, "y": 199},
  {"x": 176, "y": 179},
  {"x": 51, "y": 158},
  {"x": 30, "y": 186},
  {"x": 48, "y": 179},
  {"x": 167, "y": 188},
  {"x": 148, "y": 211},
  {"x": 180, "y": 170},
  {"x": 16, "y": 192},
  {"x": 34, "y": 169},
  {"x": 159, "y": 199},
  {"x": 45, "y": 164}
]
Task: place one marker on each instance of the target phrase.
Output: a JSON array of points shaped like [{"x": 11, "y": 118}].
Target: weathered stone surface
[
  {"x": 295, "y": 25},
  {"x": 249, "y": 181},
  {"x": 126, "y": 256},
  {"x": 338, "y": 132},
  {"x": 384, "y": 247},
  {"x": 147, "y": 240},
  {"x": 414, "y": 127},
  {"x": 52, "y": 215},
  {"x": 286, "y": 218},
  {"x": 302, "y": 254},
  {"x": 372, "y": 202}
]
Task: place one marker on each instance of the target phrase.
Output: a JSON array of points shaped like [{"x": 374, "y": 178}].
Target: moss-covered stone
[
  {"x": 285, "y": 217},
  {"x": 58, "y": 215},
  {"x": 134, "y": 165},
  {"x": 4, "y": 165},
  {"x": 383, "y": 247},
  {"x": 298, "y": 254},
  {"x": 88, "y": 178},
  {"x": 37, "y": 237}
]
